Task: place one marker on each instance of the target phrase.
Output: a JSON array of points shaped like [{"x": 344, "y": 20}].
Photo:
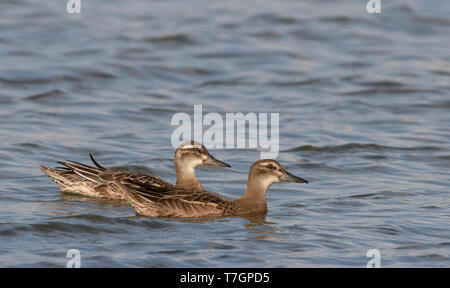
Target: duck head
[
  {"x": 270, "y": 171},
  {"x": 192, "y": 154},
  {"x": 264, "y": 173}
]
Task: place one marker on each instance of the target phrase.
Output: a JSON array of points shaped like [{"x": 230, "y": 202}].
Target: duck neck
[
  {"x": 186, "y": 177},
  {"x": 256, "y": 190}
]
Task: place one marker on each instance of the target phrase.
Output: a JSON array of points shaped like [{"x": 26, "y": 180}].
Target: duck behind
[{"x": 95, "y": 181}]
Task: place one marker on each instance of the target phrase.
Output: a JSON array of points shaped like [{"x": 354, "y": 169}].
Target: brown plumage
[
  {"x": 92, "y": 181},
  {"x": 163, "y": 201}
]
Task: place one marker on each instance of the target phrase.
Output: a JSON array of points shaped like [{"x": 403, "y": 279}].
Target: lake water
[{"x": 364, "y": 105}]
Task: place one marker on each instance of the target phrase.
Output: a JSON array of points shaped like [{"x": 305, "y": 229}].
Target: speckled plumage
[
  {"x": 93, "y": 182},
  {"x": 162, "y": 201}
]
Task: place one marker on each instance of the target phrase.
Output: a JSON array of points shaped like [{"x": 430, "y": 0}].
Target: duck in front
[
  {"x": 163, "y": 201},
  {"x": 96, "y": 181}
]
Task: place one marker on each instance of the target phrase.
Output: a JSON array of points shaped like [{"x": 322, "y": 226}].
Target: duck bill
[
  {"x": 292, "y": 178},
  {"x": 214, "y": 162}
]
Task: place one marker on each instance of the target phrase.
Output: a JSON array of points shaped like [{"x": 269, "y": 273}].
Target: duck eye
[{"x": 270, "y": 166}]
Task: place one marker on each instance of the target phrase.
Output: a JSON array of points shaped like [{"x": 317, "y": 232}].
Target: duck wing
[
  {"x": 101, "y": 175},
  {"x": 162, "y": 201}
]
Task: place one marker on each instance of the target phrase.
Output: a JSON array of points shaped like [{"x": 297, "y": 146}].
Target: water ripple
[{"x": 363, "y": 106}]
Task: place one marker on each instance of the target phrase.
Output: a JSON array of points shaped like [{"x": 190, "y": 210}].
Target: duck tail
[
  {"x": 87, "y": 172},
  {"x": 95, "y": 162},
  {"x": 62, "y": 176},
  {"x": 55, "y": 173}
]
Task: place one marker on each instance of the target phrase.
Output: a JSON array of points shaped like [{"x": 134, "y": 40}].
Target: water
[{"x": 364, "y": 115}]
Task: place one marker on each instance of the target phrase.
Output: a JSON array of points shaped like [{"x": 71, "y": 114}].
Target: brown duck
[
  {"x": 96, "y": 181},
  {"x": 164, "y": 201}
]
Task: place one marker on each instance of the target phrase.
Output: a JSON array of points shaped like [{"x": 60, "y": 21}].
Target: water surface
[{"x": 364, "y": 109}]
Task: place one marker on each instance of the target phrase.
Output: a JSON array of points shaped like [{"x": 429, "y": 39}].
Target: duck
[
  {"x": 78, "y": 178},
  {"x": 177, "y": 202}
]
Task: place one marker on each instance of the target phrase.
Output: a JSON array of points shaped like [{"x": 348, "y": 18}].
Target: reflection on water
[{"x": 364, "y": 113}]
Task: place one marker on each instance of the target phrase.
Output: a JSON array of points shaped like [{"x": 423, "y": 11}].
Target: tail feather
[
  {"x": 91, "y": 177},
  {"x": 87, "y": 172},
  {"x": 54, "y": 173},
  {"x": 60, "y": 168},
  {"x": 63, "y": 177},
  {"x": 76, "y": 165},
  {"x": 95, "y": 162}
]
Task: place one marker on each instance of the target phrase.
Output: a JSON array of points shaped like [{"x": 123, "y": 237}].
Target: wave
[
  {"x": 55, "y": 93},
  {"x": 359, "y": 146},
  {"x": 178, "y": 39}
]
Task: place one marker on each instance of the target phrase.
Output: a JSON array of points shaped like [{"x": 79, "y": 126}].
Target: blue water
[{"x": 364, "y": 105}]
